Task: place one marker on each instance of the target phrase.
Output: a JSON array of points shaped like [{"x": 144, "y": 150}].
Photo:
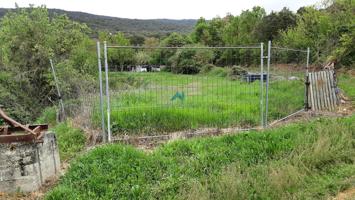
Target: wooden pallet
[{"x": 322, "y": 90}]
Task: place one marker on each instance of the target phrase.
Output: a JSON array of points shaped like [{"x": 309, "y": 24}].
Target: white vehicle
[
  {"x": 155, "y": 69},
  {"x": 139, "y": 69}
]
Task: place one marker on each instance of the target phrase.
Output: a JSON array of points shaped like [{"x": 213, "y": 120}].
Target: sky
[{"x": 169, "y": 9}]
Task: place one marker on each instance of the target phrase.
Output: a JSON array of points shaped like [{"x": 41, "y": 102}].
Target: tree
[
  {"x": 173, "y": 40},
  {"x": 176, "y": 40},
  {"x": 208, "y": 33},
  {"x": 155, "y": 54},
  {"x": 118, "y": 57},
  {"x": 242, "y": 29},
  {"x": 27, "y": 43},
  {"x": 151, "y": 42},
  {"x": 190, "y": 61},
  {"x": 142, "y": 58},
  {"x": 342, "y": 33},
  {"x": 28, "y": 39},
  {"x": 136, "y": 39},
  {"x": 272, "y": 24},
  {"x": 328, "y": 32},
  {"x": 215, "y": 29},
  {"x": 344, "y": 53},
  {"x": 201, "y": 33}
]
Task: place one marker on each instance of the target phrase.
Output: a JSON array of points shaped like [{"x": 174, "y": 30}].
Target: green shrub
[
  {"x": 219, "y": 72},
  {"x": 48, "y": 116},
  {"x": 190, "y": 61},
  {"x": 26, "y": 81},
  {"x": 17, "y": 104},
  {"x": 186, "y": 67},
  {"x": 236, "y": 72},
  {"x": 207, "y": 68}
]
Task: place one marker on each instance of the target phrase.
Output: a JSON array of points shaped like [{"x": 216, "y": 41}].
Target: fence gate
[
  {"x": 287, "y": 70},
  {"x": 157, "y": 90}
]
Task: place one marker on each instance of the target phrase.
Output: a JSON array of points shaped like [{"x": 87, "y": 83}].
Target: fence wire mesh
[
  {"x": 159, "y": 90},
  {"x": 286, "y": 82}
]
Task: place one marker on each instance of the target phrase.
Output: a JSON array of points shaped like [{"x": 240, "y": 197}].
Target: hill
[{"x": 115, "y": 24}]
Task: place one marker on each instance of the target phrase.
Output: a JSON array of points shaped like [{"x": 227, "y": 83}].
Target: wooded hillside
[{"x": 115, "y": 24}]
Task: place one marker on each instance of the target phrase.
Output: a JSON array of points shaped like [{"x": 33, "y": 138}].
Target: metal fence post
[
  {"x": 62, "y": 116},
  {"x": 262, "y": 83},
  {"x": 107, "y": 94},
  {"x": 101, "y": 95},
  {"x": 308, "y": 52},
  {"x": 306, "y": 82},
  {"x": 267, "y": 83}
]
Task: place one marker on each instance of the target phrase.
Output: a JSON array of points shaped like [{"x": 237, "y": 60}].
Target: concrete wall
[{"x": 25, "y": 166}]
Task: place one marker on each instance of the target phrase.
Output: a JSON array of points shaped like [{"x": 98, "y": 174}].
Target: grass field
[
  {"x": 298, "y": 161},
  {"x": 346, "y": 82},
  {"x": 143, "y": 103},
  {"x": 313, "y": 160}
]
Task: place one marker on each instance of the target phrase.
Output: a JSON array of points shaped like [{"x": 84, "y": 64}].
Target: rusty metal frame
[{"x": 17, "y": 132}]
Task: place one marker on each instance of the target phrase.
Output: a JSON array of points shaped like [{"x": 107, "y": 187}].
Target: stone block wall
[{"x": 26, "y": 166}]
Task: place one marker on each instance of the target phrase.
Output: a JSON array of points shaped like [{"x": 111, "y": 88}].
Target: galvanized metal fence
[
  {"x": 286, "y": 85},
  {"x": 145, "y": 96}
]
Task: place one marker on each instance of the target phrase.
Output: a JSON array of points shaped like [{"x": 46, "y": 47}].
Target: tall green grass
[
  {"x": 70, "y": 140},
  {"x": 142, "y": 102},
  {"x": 346, "y": 82},
  {"x": 48, "y": 116},
  {"x": 299, "y": 161}
]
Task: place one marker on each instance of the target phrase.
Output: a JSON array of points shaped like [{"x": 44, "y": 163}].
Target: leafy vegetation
[
  {"x": 135, "y": 28},
  {"x": 15, "y": 101},
  {"x": 346, "y": 82},
  {"x": 327, "y": 30},
  {"x": 70, "y": 140},
  {"x": 48, "y": 116},
  {"x": 299, "y": 161},
  {"x": 29, "y": 38}
]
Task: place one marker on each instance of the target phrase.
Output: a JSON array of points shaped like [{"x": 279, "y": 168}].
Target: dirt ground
[{"x": 348, "y": 194}]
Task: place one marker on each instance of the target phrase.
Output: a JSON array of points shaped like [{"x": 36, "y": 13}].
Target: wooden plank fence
[{"x": 322, "y": 90}]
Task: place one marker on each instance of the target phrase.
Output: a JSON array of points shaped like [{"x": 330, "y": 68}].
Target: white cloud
[{"x": 173, "y": 9}]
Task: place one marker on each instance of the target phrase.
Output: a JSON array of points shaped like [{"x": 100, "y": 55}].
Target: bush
[
  {"x": 186, "y": 67},
  {"x": 72, "y": 82},
  {"x": 17, "y": 104},
  {"x": 48, "y": 116},
  {"x": 190, "y": 61},
  {"x": 236, "y": 71},
  {"x": 29, "y": 37},
  {"x": 207, "y": 68},
  {"x": 219, "y": 71}
]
